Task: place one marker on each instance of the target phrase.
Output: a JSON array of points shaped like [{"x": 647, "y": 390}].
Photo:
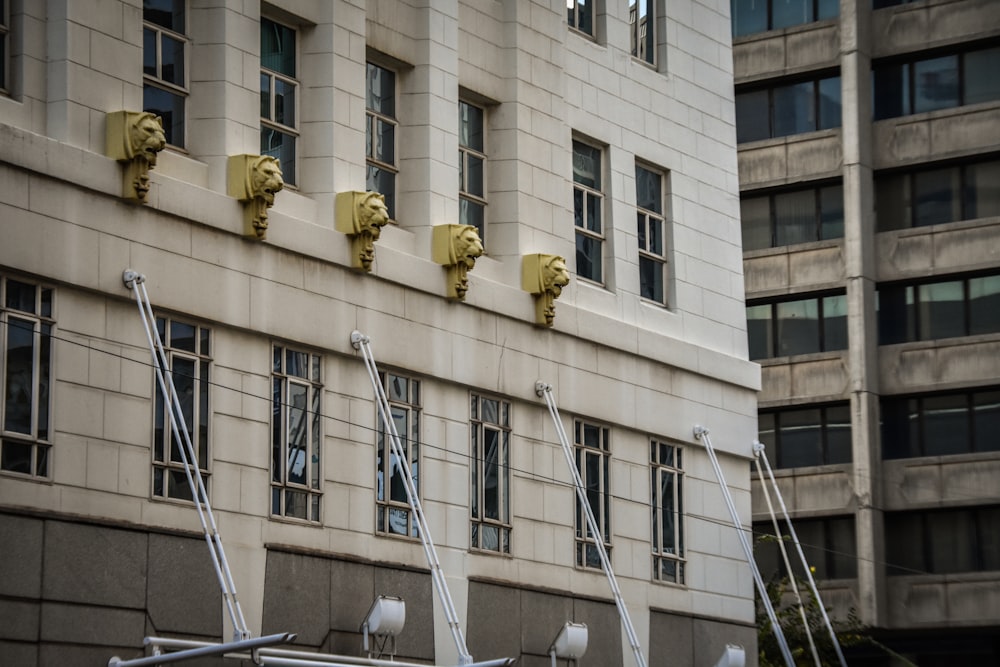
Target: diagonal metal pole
[{"x": 545, "y": 391}]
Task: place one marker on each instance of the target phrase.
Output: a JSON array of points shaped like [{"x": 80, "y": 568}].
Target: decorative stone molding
[
  {"x": 544, "y": 276},
  {"x": 361, "y": 215},
  {"x": 254, "y": 180},
  {"x": 456, "y": 247},
  {"x": 134, "y": 138}
]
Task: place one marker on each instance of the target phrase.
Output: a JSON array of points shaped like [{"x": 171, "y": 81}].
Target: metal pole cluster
[{"x": 545, "y": 391}]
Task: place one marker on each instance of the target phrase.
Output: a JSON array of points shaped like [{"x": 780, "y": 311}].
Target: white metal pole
[
  {"x": 762, "y": 455},
  {"x": 544, "y": 390},
  {"x": 363, "y": 343},
  {"x": 701, "y": 433}
]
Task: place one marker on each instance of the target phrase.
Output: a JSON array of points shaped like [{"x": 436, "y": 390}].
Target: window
[
  {"x": 936, "y": 195},
  {"x": 828, "y": 544},
  {"x": 642, "y": 29},
  {"x": 588, "y": 206},
  {"x": 812, "y": 436},
  {"x": 651, "y": 228},
  {"x": 490, "y": 460},
  {"x": 295, "y": 434},
  {"x": 943, "y": 541},
  {"x": 787, "y": 109},
  {"x": 26, "y": 365},
  {"x": 668, "y": 512},
  {"x": 4, "y": 46},
  {"x": 188, "y": 359},
  {"x": 802, "y": 326},
  {"x": 796, "y": 216},
  {"x": 164, "y": 65},
  {"x": 879, "y": 4},
  {"x": 472, "y": 167},
  {"x": 941, "y": 82},
  {"x": 750, "y": 16},
  {"x": 940, "y": 309},
  {"x": 593, "y": 462},
  {"x": 380, "y": 134},
  {"x": 580, "y": 15},
  {"x": 278, "y": 93},
  {"x": 941, "y": 424},
  {"x": 393, "y": 514}
]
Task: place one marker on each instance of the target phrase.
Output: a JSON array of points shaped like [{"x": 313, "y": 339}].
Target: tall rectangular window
[
  {"x": 651, "y": 226},
  {"x": 932, "y": 310},
  {"x": 668, "y": 511},
  {"x": 786, "y": 109},
  {"x": 751, "y": 16},
  {"x": 4, "y": 46},
  {"x": 26, "y": 372},
  {"x": 490, "y": 478},
  {"x": 642, "y": 29},
  {"x": 580, "y": 15},
  {"x": 187, "y": 347},
  {"x": 940, "y": 424},
  {"x": 917, "y": 85},
  {"x": 809, "y": 436},
  {"x": 942, "y": 541},
  {"x": 829, "y": 545},
  {"x": 799, "y": 326},
  {"x": 593, "y": 462},
  {"x": 380, "y": 134},
  {"x": 472, "y": 167},
  {"x": 393, "y": 515},
  {"x": 164, "y": 64},
  {"x": 588, "y": 209},
  {"x": 296, "y": 445},
  {"x": 791, "y": 217},
  {"x": 278, "y": 95}
]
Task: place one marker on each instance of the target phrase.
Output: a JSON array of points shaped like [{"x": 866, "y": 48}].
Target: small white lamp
[
  {"x": 570, "y": 643},
  {"x": 733, "y": 656},
  {"x": 385, "y": 618}
]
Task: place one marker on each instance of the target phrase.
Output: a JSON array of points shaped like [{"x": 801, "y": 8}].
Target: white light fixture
[
  {"x": 570, "y": 643},
  {"x": 385, "y": 619},
  {"x": 733, "y": 656}
]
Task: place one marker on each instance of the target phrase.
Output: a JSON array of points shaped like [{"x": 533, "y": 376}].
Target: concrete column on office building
[{"x": 859, "y": 257}]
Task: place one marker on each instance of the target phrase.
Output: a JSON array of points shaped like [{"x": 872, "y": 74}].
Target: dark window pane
[
  {"x": 797, "y": 327},
  {"x": 170, "y": 108},
  {"x": 766, "y": 435},
  {"x": 827, "y": 9},
  {"x": 936, "y": 197},
  {"x": 953, "y": 547},
  {"x": 982, "y": 82},
  {"x": 831, "y": 211},
  {"x": 381, "y": 90},
  {"x": 759, "y": 331},
  {"x": 166, "y": 13},
  {"x": 800, "y": 440},
  {"x": 755, "y": 217},
  {"x": 786, "y": 13},
  {"x": 172, "y": 60},
  {"x": 795, "y": 217},
  {"x": 19, "y": 379},
  {"x": 16, "y": 457},
  {"x": 829, "y": 103},
  {"x": 904, "y": 544},
  {"x": 812, "y": 537},
  {"x": 384, "y": 182},
  {"x": 279, "y": 145},
  {"x": 935, "y": 84},
  {"x": 472, "y": 213},
  {"x": 752, "y": 116},
  {"x": 842, "y": 548},
  {"x": 647, "y": 190},
  {"x": 942, "y": 310},
  {"x": 284, "y": 102},
  {"x": 982, "y": 190},
  {"x": 794, "y": 109},
  {"x": 182, "y": 336},
  {"x": 838, "y": 434},
  {"x": 21, "y": 296},
  {"x": 984, "y": 305},
  {"x": 989, "y": 538},
  {"x": 834, "y": 323},
  {"x": 896, "y": 315},
  {"x": 587, "y": 165},
  {"x": 892, "y": 202},
  {"x": 899, "y": 439},
  {"x": 588, "y": 257},
  {"x": 277, "y": 47},
  {"x": 149, "y": 52},
  {"x": 385, "y": 141},
  {"x": 891, "y": 90},
  {"x": 946, "y": 425},
  {"x": 749, "y": 16},
  {"x": 651, "y": 279},
  {"x": 470, "y": 126},
  {"x": 986, "y": 421}
]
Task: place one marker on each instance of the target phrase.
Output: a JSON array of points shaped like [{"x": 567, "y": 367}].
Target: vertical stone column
[{"x": 860, "y": 261}]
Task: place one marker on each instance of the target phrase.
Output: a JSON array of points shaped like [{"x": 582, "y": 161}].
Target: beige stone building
[
  {"x": 604, "y": 135},
  {"x": 869, "y": 162}
]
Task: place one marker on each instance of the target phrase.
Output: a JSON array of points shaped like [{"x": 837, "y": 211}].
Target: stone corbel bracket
[
  {"x": 254, "y": 180},
  {"x": 361, "y": 215},
  {"x": 456, "y": 247},
  {"x": 544, "y": 276},
  {"x": 134, "y": 138}
]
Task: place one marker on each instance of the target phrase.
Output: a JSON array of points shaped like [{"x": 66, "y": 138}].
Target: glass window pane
[
  {"x": 829, "y": 103},
  {"x": 935, "y": 84},
  {"x": 470, "y": 126},
  {"x": 827, "y": 9},
  {"x": 182, "y": 336},
  {"x": 277, "y": 47},
  {"x": 799, "y": 439},
  {"x": 385, "y": 142},
  {"x": 942, "y": 310},
  {"x": 166, "y": 13},
  {"x": 766, "y": 435},
  {"x": 149, "y": 52},
  {"x": 384, "y": 182},
  {"x": 835, "y": 323},
  {"x": 587, "y": 165},
  {"x": 651, "y": 279},
  {"x": 989, "y": 538},
  {"x": 755, "y": 219},
  {"x": 21, "y": 296},
  {"x": 760, "y": 331},
  {"x": 904, "y": 544},
  {"x": 982, "y": 190},
  {"x": 797, "y": 327},
  {"x": 896, "y": 314},
  {"x": 986, "y": 421},
  {"x": 474, "y": 176},
  {"x": 842, "y": 548},
  {"x": 953, "y": 547},
  {"x": 892, "y": 202},
  {"x": 899, "y": 435},
  {"x": 831, "y": 212},
  {"x": 172, "y": 60},
  {"x": 380, "y": 92},
  {"x": 647, "y": 190},
  {"x": 946, "y": 425},
  {"x": 284, "y": 102},
  {"x": 19, "y": 379},
  {"x": 588, "y": 257},
  {"x": 891, "y": 89},
  {"x": 472, "y": 213},
  {"x": 838, "y": 434},
  {"x": 984, "y": 305},
  {"x": 794, "y": 109},
  {"x": 936, "y": 197},
  {"x": 749, "y": 16},
  {"x": 752, "y": 116},
  {"x": 786, "y": 13},
  {"x": 982, "y": 84},
  {"x": 279, "y": 145},
  {"x": 170, "y": 108},
  {"x": 795, "y": 217}
]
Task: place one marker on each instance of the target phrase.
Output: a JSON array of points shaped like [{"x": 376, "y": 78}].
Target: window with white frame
[
  {"x": 393, "y": 515},
  {"x": 490, "y": 461},
  {"x": 651, "y": 229},
  {"x": 296, "y": 462},
  {"x": 4, "y": 46},
  {"x": 580, "y": 15},
  {"x": 593, "y": 462},
  {"x": 188, "y": 358},
  {"x": 380, "y": 134},
  {"x": 279, "y": 91},
  {"x": 164, "y": 64},
  {"x": 26, "y": 370},
  {"x": 472, "y": 167},
  {"x": 588, "y": 209},
  {"x": 667, "y": 486},
  {"x": 642, "y": 29}
]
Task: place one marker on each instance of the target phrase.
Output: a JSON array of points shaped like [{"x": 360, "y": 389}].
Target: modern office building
[
  {"x": 869, "y": 162},
  {"x": 604, "y": 136}
]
